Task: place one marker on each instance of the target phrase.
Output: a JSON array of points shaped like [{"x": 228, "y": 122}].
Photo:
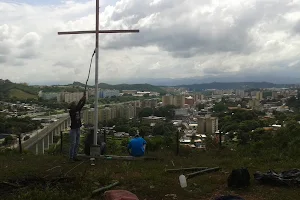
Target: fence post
[
  {"x": 220, "y": 139},
  {"x": 61, "y": 141}
]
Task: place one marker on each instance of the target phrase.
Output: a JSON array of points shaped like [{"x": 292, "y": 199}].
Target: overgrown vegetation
[{"x": 23, "y": 125}]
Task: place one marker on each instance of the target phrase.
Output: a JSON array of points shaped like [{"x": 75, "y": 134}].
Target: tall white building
[
  {"x": 208, "y": 125},
  {"x": 240, "y": 93},
  {"x": 70, "y": 97},
  {"x": 178, "y": 100},
  {"x": 108, "y": 93}
]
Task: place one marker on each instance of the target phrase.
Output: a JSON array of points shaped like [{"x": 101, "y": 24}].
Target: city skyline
[{"x": 210, "y": 41}]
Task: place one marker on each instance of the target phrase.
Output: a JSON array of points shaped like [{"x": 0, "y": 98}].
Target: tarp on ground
[{"x": 285, "y": 178}]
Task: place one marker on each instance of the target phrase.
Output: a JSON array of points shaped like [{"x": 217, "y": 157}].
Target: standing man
[
  {"x": 75, "y": 127},
  {"x": 137, "y": 146}
]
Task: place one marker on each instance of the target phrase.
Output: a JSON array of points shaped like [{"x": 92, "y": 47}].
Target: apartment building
[
  {"x": 104, "y": 114},
  {"x": 198, "y": 97},
  {"x": 240, "y": 93},
  {"x": 167, "y": 100},
  {"x": 129, "y": 111},
  {"x": 259, "y": 95},
  {"x": 149, "y": 103},
  {"x": 254, "y": 103},
  {"x": 129, "y": 92},
  {"x": 69, "y": 97},
  {"x": 108, "y": 93},
  {"x": 207, "y": 125},
  {"x": 178, "y": 100},
  {"x": 89, "y": 116}
]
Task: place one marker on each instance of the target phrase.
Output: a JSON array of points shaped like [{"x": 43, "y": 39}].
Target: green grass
[
  {"x": 146, "y": 179},
  {"x": 19, "y": 94}
]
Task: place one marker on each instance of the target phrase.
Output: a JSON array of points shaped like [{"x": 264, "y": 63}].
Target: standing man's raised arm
[{"x": 81, "y": 102}]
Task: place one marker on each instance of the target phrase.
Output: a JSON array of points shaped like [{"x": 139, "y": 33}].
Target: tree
[
  {"x": 132, "y": 131},
  {"x": 8, "y": 140},
  {"x": 145, "y": 112},
  {"x": 122, "y": 128},
  {"x": 219, "y": 107},
  {"x": 144, "y": 130}
]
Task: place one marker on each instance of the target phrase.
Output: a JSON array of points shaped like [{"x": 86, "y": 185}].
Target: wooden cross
[{"x": 97, "y": 31}]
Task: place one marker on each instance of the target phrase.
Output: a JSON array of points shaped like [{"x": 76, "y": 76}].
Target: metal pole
[
  {"x": 96, "y": 74},
  {"x": 104, "y": 138},
  {"x": 177, "y": 143},
  {"x": 61, "y": 141}
]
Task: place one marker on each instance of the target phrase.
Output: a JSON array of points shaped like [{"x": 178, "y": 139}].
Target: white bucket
[{"x": 182, "y": 181}]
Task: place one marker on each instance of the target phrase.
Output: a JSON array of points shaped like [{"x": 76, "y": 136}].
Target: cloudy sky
[{"x": 177, "y": 39}]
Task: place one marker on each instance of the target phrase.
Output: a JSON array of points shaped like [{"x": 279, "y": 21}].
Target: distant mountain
[
  {"x": 140, "y": 87},
  {"x": 233, "y": 85},
  {"x": 9, "y": 89},
  {"x": 262, "y": 77}
]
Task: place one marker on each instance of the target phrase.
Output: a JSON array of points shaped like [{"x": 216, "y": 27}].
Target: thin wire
[{"x": 89, "y": 70}]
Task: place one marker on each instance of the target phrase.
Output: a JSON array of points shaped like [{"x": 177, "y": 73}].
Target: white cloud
[{"x": 177, "y": 39}]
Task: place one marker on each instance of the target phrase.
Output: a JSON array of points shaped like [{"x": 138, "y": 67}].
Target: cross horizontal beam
[{"x": 100, "y": 31}]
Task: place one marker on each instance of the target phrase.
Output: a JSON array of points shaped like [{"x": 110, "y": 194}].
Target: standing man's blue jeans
[{"x": 74, "y": 142}]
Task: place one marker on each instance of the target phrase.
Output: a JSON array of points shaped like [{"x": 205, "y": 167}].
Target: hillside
[
  {"x": 53, "y": 177},
  {"x": 19, "y": 94},
  {"x": 9, "y": 89},
  {"x": 233, "y": 85},
  {"x": 140, "y": 87}
]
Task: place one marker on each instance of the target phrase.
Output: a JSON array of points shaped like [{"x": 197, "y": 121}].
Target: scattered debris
[
  {"x": 186, "y": 169},
  {"x": 74, "y": 168},
  {"x": 92, "y": 161},
  {"x": 183, "y": 178},
  {"x": 99, "y": 190},
  {"x": 115, "y": 157},
  {"x": 191, "y": 175},
  {"x": 9, "y": 186},
  {"x": 152, "y": 187},
  {"x": 53, "y": 168},
  {"x": 173, "y": 163},
  {"x": 97, "y": 183},
  {"x": 174, "y": 196},
  {"x": 285, "y": 178},
  {"x": 229, "y": 197},
  {"x": 102, "y": 189}
]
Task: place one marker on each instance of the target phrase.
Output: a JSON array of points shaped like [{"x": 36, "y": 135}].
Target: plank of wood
[
  {"x": 191, "y": 175},
  {"x": 186, "y": 169}
]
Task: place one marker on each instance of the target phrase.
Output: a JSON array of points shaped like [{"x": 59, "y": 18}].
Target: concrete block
[{"x": 95, "y": 150}]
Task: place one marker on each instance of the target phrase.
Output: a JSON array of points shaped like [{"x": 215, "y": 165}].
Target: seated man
[{"x": 137, "y": 146}]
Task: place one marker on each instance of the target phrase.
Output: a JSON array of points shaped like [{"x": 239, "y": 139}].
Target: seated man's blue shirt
[{"x": 137, "y": 146}]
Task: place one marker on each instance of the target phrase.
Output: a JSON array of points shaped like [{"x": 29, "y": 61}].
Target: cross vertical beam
[
  {"x": 96, "y": 74},
  {"x": 97, "y": 31}
]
